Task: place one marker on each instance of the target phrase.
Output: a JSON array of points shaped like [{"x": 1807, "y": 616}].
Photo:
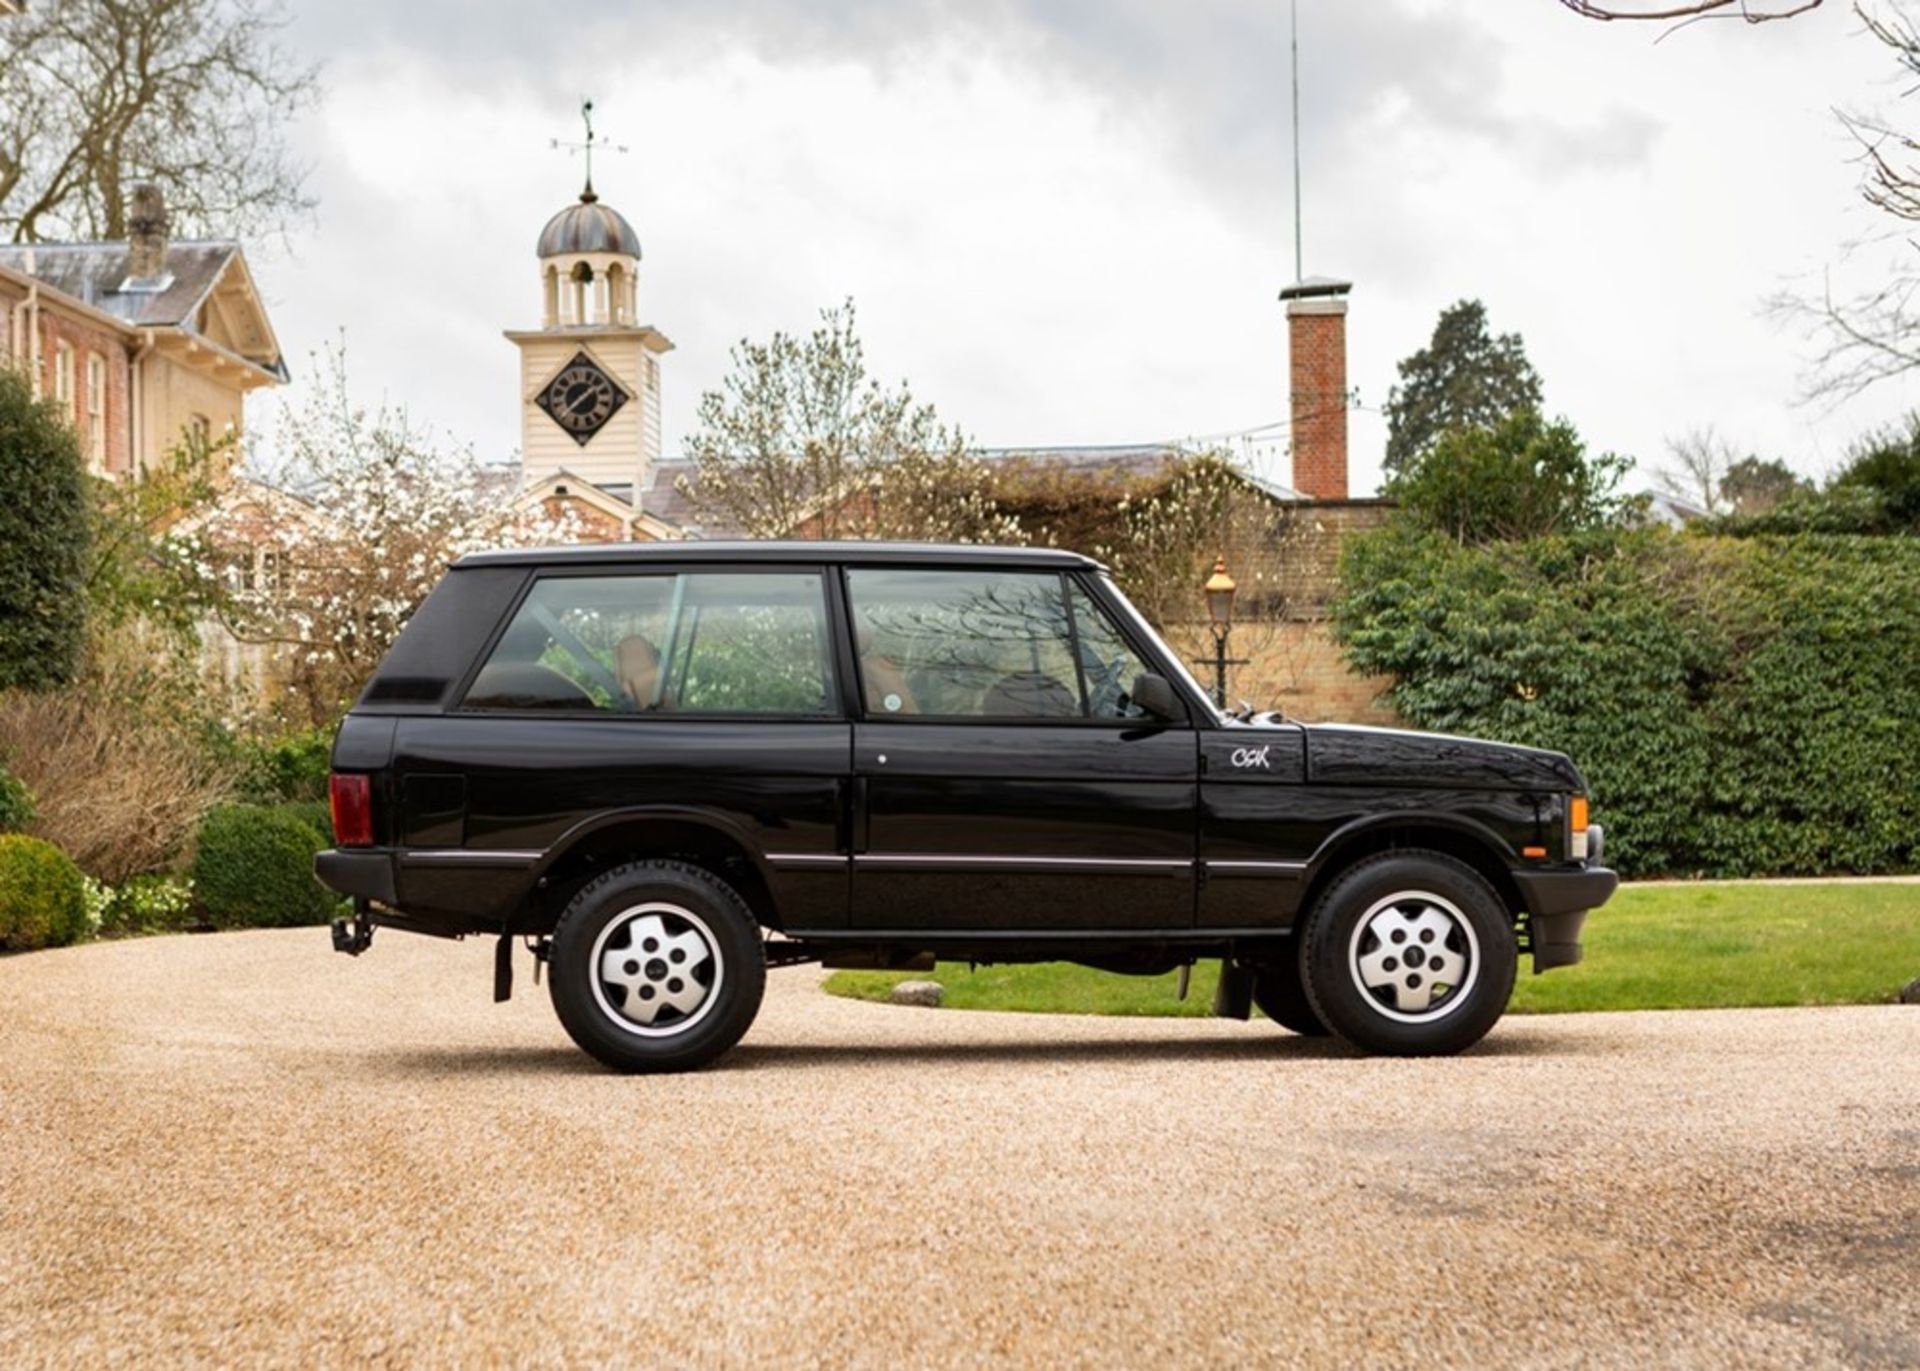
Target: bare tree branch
[
  {"x": 1860, "y": 340},
  {"x": 193, "y": 94},
  {"x": 1702, "y": 9}
]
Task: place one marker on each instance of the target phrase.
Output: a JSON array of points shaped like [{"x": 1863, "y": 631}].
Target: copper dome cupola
[{"x": 588, "y": 226}]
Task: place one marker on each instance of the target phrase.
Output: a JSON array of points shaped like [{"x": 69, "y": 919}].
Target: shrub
[
  {"x": 1739, "y": 706},
  {"x": 148, "y": 904},
  {"x": 125, "y": 762},
  {"x": 42, "y": 901},
  {"x": 17, "y": 807},
  {"x": 1888, "y": 465},
  {"x": 1521, "y": 478},
  {"x": 293, "y": 766},
  {"x": 43, "y": 540},
  {"x": 254, "y": 868}
]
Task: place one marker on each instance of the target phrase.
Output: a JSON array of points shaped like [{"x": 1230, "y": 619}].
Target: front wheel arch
[{"x": 1345, "y": 850}]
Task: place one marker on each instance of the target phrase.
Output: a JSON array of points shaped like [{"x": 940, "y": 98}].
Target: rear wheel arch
[{"x": 598, "y": 846}]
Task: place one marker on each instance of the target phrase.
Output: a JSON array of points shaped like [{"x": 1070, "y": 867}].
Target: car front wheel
[
  {"x": 657, "y": 966},
  {"x": 1409, "y": 953}
]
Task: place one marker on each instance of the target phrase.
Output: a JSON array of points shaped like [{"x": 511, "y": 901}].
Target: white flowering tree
[
  {"x": 1168, "y": 539},
  {"x": 800, "y": 442},
  {"x": 363, "y": 516}
]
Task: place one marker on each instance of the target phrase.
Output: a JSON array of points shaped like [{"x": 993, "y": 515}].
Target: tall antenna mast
[{"x": 1299, "y": 274}]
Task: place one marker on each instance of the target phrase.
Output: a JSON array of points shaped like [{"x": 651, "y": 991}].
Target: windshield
[{"x": 1139, "y": 623}]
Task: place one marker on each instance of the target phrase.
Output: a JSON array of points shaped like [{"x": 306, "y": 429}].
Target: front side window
[
  {"x": 987, "y": 645},
  {"x": 695, "y": 643}
]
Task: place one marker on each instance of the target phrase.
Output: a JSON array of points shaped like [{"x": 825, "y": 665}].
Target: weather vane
[{"x": 592, "y": 141}]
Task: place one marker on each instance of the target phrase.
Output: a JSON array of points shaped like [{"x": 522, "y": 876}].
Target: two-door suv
[{"x": 669, "y": 766}]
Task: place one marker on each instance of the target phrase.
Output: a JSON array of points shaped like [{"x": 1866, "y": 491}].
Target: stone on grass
[
  {"x": 923, "y": 993},
  {"x": 1911, "y": 995}
]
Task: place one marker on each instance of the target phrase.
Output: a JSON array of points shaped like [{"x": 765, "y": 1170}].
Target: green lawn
[{"x": 1651, "y": 947}]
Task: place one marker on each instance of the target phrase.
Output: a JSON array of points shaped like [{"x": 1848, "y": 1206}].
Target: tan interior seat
[{"x": 636, "y": 662}]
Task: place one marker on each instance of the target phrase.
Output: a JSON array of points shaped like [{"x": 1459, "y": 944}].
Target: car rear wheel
[
  {"x": 1409, "y": 953},
  {"x": 657, "y": 966},
  {"x": 1282, "y": 996}
]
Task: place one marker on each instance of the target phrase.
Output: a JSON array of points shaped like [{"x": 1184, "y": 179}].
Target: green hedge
[
  {"x": 1739, "y": 706},
  {"x": 254, "y": 867},
  {"x": 291, "y": 767},
  {"x": 42, "y": 899}
]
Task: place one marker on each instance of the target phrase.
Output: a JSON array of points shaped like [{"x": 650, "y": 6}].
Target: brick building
[
  {"x": 148, "y": 344},
  {"x": 142, "y": 342}
]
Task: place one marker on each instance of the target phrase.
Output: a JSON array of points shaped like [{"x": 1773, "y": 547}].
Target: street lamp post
[{"x": 1219, "y": 592}]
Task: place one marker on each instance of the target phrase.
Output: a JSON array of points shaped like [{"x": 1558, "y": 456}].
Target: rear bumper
[
  {"x": 364, "y": 875},
  {"x": 1557, "y": 903}
]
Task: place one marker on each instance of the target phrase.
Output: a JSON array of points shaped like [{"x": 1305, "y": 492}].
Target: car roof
[{"x": 769, "y": 550}]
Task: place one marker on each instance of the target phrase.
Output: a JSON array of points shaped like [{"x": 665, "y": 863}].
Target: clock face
[{"x": 582, "y": 398}]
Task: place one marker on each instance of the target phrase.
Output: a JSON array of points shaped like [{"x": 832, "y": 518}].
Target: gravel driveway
[{"x": 247, "y": 1148}]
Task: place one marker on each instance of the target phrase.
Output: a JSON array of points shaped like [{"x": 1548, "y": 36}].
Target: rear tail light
[{"x": 351, "y": 799}]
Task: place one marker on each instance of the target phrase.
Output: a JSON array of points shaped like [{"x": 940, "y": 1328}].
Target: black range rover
[{"x": 669, "y": 766}]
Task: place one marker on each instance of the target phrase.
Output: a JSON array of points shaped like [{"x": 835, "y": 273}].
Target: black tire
[
  {"x": 700, "y": 1003},
  {"x": 1282, "y": 996},
  {"x": 1405, "y": 897}
]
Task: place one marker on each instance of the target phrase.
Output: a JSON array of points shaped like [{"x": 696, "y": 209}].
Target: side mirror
[{"x": 1154, "y": 693}]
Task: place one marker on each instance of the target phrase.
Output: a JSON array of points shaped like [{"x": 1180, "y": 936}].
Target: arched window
[
  {"x": 582, "y": 277},
  {"x": 550, "y": 280},
  {"x": 616, "y": 295}
]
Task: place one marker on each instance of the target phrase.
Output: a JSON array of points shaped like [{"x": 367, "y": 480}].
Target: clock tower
[{"x": 590, "y": 374}]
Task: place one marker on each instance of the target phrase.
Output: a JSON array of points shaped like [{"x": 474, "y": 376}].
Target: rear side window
[
  {"x": 695, "y": 643},
  {"x": 986, "y": 645}
]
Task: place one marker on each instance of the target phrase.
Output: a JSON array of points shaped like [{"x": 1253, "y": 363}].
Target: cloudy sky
[{"x": 1066, "y": 222}]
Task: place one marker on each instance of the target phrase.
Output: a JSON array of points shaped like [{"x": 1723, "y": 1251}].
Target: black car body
[{"x": 868, "y": 753}]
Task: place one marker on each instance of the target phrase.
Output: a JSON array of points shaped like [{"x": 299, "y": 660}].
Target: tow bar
[{"x": 353, "y": 936}]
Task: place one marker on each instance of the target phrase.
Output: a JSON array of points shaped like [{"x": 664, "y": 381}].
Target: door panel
[{"x": 1028, "y": 825}]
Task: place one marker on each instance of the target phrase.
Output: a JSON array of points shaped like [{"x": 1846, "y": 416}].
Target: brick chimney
[
  {"x": 1317, "y": 360},
  {"x": 146, "y": 238}
]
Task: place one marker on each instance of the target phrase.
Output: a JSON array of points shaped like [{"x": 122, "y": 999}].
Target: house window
[
  {"x": 257, "y": 568},
  {"x": 97, "y": 410},
  {"x": 200, "y": 433},
  {"x": 63, "y": 377}
]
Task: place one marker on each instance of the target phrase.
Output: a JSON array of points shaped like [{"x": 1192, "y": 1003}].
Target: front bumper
[{"x": 1557, "y": 903}]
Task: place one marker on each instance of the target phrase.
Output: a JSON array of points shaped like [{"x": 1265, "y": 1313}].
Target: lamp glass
[{"x": 1219, "y": 591}]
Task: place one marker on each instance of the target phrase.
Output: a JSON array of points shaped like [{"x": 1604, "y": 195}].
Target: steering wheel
[{"x": 1105, "y": 692}]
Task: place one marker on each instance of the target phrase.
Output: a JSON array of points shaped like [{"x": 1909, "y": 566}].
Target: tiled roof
[
  {"x": 663, "y": 498},
  {"x": 93, "y": 272}
]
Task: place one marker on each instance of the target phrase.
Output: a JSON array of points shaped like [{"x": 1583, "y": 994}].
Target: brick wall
[
  {"x": 87, "y": 338},
  {"x": 1291, "y": 666}
]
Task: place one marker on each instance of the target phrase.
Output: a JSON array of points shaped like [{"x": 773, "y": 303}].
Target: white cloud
[{"x": 1063, "y": 233}]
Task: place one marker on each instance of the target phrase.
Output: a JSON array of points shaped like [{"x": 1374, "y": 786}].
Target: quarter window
[
  {"x": 700, "y": 643},
  {"x": 987, "y": 644}
]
